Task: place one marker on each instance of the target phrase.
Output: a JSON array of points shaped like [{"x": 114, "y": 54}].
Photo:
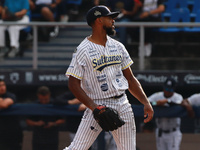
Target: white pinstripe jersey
[
  {"x": 100, "y": 68},
  {"x": 194, "y": 99},
  {"x": 163, "y": 122}
]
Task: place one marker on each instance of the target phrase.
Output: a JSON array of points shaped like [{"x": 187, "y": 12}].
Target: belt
[
  {"x": 168, "y": 131},
  {"x": 118, "y": 96}
]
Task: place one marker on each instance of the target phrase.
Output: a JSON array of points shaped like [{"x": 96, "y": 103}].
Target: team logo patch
[
  {"x": 97, "y": 13},
  {"x": 101, "y": 78},
  {"x": 104, "y": 87}
]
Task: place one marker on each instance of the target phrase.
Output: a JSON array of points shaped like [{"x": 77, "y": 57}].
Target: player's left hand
[
  {"x": 148, "y": 112},
  {"x": 107, "y": 118}
]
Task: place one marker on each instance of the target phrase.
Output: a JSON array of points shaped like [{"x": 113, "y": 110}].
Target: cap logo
[
  {"x": 97, "y": 13},
  {"x": 169, "y": 83}
]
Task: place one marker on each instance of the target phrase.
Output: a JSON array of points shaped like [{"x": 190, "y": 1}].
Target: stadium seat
[
  {"x": 177, "y": 15},
  {"x": 197, "y": 20},
  {"x": 170, "y": 5},
  {"x": 195, "y": 8},
  {"x": 76, "y": 2},
  {"x": 28, "y": 29}
]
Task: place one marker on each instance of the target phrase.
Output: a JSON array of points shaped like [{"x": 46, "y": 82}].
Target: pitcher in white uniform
[
  {"x": 168, "y": 134},
  {"x": 99, "y": 74}
]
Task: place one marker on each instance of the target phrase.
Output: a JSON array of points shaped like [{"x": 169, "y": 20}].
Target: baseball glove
[{"x": 107, "y": 118}]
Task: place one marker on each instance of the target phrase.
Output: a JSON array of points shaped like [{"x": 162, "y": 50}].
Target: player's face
[
  {"x": 109, "y": 25},
  {"x": 2, "y": 88},
  {"x": 44, "y": 99},
  {"x": 168, "y": 94}
]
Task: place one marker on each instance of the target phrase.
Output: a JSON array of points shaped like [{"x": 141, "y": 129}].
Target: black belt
[
  {"x": 118, "y": 96},
  {"x": 168, "y": 131}
]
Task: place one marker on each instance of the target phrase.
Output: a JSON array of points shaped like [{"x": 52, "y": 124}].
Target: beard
[{"x": 109, "y": 30}]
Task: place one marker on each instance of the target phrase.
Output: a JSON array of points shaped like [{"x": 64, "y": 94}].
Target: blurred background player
[
  {"x": 168, "y": 134},
  {"x": 11, "y": 134},
  {"x": 188, "y": 103},
  {"x": 45, "y": 128}
]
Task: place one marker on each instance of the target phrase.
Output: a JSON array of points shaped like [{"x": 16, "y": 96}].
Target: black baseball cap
[
  {"x": 97, "y": 12},
  {"x": 169, "y": 84}
]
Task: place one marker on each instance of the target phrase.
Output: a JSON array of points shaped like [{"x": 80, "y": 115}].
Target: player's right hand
[{"x": 148, "y": 112}]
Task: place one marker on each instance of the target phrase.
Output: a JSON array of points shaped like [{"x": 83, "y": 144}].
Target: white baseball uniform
[
  {"x": 194, "y": 99},
  {"x": 168, "y": 134},
  {"x": 100, "y": 70}
]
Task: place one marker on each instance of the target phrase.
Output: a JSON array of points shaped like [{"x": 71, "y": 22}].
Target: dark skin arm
[
  {"x": 158, "y": 10},
  {"x": 134, "y": 10},
  {"x": 5, "y": 103},
  {"x": 136, "y": 90},
  {"x": 75, "y": 88},
  {"x": 17, "y": 14},
  {"x": 185, "y": 103}
]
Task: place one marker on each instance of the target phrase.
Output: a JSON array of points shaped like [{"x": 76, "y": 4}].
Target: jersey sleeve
[
  {"x": 126, "y": 61},
  {"x": 76, "y": 67},
  {"x": 179, "y": 99},
  {"x": 194, "y": 99},
  {"x": 154, "y": 97}
]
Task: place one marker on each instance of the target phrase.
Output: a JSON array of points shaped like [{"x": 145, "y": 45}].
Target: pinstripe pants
[{"x": 89, "y": 129}]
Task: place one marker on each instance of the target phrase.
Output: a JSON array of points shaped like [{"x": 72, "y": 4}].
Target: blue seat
[
  {"x": 171, "y": 5},
  {"x": 197, "y": 20},
  {"x": 76, "y": 2},
  {"x": 190, "y": 2},
  {"x": 195, "y": 8},
  {"x": 177, "y": 15},
  {"x": 28, "y": 28}
]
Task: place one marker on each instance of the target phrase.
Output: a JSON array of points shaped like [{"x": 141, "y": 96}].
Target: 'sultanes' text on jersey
[{"x": 105, "y": 61}]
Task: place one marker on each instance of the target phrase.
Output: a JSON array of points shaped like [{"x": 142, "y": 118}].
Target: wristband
[{"x": 154, "y": 103}]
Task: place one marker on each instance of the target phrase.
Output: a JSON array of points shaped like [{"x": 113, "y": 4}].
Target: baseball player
[
  {"x": 168, "y": 134},
  {"x": 99, "y": 74},
  {"x": 193, "y": 100},
  {"x": 188, "y": 103}
]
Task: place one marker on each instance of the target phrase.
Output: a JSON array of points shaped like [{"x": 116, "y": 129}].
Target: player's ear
[{"x": 99, "y": 20}]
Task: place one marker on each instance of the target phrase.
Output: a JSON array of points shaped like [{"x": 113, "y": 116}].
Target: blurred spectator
[
  {"x": 47, "y": 9},
  {"x": 62, "y": 13},
  {"x": 45, "y": 128},
  {"x": 168, "y": 134},
  {"x": 150, "y": 12},
  {"x": 16, "y": 11},
  {"x": 11, "y": 134},
  {"x": 129, "y": 9}
]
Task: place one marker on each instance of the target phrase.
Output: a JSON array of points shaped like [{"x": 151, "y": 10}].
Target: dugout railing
[
  {"x": 141, "y": 25},
  {"x": 25, "y": 110}
]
